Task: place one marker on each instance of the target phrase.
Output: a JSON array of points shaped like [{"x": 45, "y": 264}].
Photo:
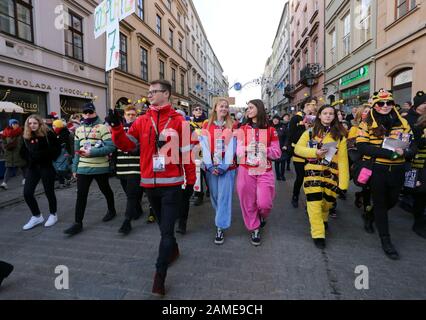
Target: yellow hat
[
  {"x": 382, "y": 95},
  {"x": 58, "y": 124}
]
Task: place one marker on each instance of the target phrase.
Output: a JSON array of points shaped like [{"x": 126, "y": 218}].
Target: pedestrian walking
[
  {"x": 219, "y": 148},
  {"x": 40, "y": 149},
  {"x": 388, "y": 169},
  {"x": 298, "y": 125},
  {"x": 157, "y": 132},
  {"x": 258, "y": 144},
  {"x": 280, "y": 163},
  {"x": 93, "y": 146},
  {"x": 12, "y": 142},
  {"x": 129, "y": 173},
  {"x": 62, "y": 164},
  {"x": 327, "y": 169}
]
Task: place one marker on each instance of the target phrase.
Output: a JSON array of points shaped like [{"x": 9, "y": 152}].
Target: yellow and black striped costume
[
  {"x": 420, "y": 158},
  {"x": 322, "y": 182},
  {"x": 366, "y": 135}
]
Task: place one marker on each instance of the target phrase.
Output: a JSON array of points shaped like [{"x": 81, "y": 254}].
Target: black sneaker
[
  {"x": 126, "y": 227},
  {"x": 319, "y": 243},
  {"x": 388, "y": 248},
  {"x": 74, "y": 229},
  {"x": 109, "y": 216},
  {"x": 220, "y": 236},
  {"x": 255, "y": 237},
  {"x": 295, "y": 202}
]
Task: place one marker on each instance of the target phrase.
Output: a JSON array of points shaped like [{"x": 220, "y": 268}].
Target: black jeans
[
  {"x": 165, "y": 202},
  {"x": 134, "y": 193},
  {"x": 299, "y": 167},
  {"x": 386, "y": 185},
  {"x": 184, "y": 204},
  {"x": 47, "y": 176},
  {"x": 280, "y": 168},
  {"x": 83, "y": 184}
]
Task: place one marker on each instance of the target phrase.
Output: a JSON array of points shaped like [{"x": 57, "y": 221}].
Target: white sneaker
[
  {"x": 34, "y": 221},
  {"x": 23, "y": 182},
  {"x": 53, "y": 218},
  {"x": 4, "y": 185}
]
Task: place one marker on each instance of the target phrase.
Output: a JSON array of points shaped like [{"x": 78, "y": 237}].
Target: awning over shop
[{"x": 10, "y": 107}]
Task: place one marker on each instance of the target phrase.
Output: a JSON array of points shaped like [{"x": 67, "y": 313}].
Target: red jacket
[
  {"x": 143, "y": 133},
  {"x": 268, "y": 136}
]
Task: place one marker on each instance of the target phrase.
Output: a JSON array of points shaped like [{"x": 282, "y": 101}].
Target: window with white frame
[
  {"x": 140, "y": 10},
  {"x": 333, "y": 49},
  {"x": 403, "y": 7},
  {"x": 346, "y": 34},
  {"x": 158, "y": 25},
  {"x": 363, "y": 20}
]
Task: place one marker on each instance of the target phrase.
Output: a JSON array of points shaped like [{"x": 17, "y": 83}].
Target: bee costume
[{"x": 321, "y": 182}]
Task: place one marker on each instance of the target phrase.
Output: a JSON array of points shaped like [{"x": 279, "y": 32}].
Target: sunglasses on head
[
  {"x": 381, "y": 104},
  {"x": 88, "y": 112}
]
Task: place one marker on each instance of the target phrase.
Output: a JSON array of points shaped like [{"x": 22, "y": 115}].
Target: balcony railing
[{"x": 309, "y": 73}]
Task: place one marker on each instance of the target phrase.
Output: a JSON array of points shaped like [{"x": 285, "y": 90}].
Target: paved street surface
[{"x": 105, "y": 265}]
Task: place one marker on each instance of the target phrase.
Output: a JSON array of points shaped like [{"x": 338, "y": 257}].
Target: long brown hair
[
  {"x": 41, "y": 131},
  {"x": 262, "y": 122},
  {"x": 337, "y": 130},
  {"x": 213, "y": 115}
]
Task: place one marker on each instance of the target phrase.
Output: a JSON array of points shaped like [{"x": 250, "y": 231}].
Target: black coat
[{"x": 41, "y": 151}]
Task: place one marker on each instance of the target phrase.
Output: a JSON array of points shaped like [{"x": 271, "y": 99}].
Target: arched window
[{"x": 402, "y": 82}]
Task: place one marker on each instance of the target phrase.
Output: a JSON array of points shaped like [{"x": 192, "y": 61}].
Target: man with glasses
[
  {"x": 158, "y": 133},
  {"x": 93, "y": 146}
]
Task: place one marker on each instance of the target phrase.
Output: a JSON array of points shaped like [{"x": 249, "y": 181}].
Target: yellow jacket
[{"x": 339, "y": 164}]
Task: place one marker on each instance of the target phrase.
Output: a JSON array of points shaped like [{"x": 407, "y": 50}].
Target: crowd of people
[{"x": 176, "y": 160}]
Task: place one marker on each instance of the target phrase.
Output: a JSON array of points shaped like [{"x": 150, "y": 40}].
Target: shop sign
[{"x": 354, "y": 75}]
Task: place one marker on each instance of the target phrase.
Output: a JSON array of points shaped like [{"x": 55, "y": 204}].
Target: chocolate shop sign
[{"x": 42, "y": 86}]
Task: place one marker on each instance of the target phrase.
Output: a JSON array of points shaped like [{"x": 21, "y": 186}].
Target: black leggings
[
  {"x": 386, "y": 185},
  {"x": 280, "y": 168},
  {"x": 300, "y": 175},
  {"x": 47, "y": 176},
  {"x": 83, "y": 184}
]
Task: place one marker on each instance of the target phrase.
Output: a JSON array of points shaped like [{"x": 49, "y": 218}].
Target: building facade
[
  {"x": 49, "y": 59},
  {"x": 152, "y": 46},
  {"x": 307, "y": 50},
  {"x": 350, "y": 40},
  {"x": 401, "y": 47},
  {"x": 280, "y": 66}
]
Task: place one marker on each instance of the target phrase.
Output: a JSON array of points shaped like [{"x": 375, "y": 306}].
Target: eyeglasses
[
  {"x": 381, "y": 104},
  {"x": 151, "y": 93},
  {"x": 88, "y": 112}
]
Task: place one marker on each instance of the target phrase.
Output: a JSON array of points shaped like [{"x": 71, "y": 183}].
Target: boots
[
  {"x": 158, "y": 288},
  {"x": 109, "y": 216},
  {"x": 388, "y": 248},
  {"x": 126, "y": 227},
  {"x": 5, "y": 270},
  {"x": 295, "y": 201}
]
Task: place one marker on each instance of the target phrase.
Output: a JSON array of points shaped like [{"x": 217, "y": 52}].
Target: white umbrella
[{"x": 10, "y": 107}]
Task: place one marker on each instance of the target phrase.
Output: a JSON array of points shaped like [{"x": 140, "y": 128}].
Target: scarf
[
  {"x": 90, "y": 121},
  {"x": 157, "y": 108}
]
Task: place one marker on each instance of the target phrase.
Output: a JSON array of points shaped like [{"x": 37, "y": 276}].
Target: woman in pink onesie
[{"x": 258, "y": 145}]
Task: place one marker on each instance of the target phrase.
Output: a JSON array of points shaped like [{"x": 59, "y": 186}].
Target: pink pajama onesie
[{"x": 256, "y": 185}]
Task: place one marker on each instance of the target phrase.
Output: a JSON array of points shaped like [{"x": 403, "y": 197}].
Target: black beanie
[{"x": 419, "y": 99}]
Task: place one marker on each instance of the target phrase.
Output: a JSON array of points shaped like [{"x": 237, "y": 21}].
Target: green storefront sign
[{"x": 354, "y": 76}]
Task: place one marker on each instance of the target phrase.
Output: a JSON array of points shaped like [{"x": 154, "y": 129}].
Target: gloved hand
[{"x": 114, "y": 118}]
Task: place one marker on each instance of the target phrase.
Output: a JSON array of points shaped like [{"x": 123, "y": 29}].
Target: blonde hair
[
  {"x": 359, "y": 111},
  {"x": 213, "y": 116},
  {"x": 42, "y": 130}
]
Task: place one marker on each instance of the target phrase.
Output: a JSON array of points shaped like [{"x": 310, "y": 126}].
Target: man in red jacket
[{"x": 159, "y": 135}]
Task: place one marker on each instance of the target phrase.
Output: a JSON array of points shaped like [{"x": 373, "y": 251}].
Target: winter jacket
[
  {"x": 143, "y": 135},
  {"x": 269, "y": 137},
  {"x": 296, "y": 129},
  {"x": 101, "y": 147},
  {"x": 41, "y": 151},
  {"x": 12, "y": 144}
]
